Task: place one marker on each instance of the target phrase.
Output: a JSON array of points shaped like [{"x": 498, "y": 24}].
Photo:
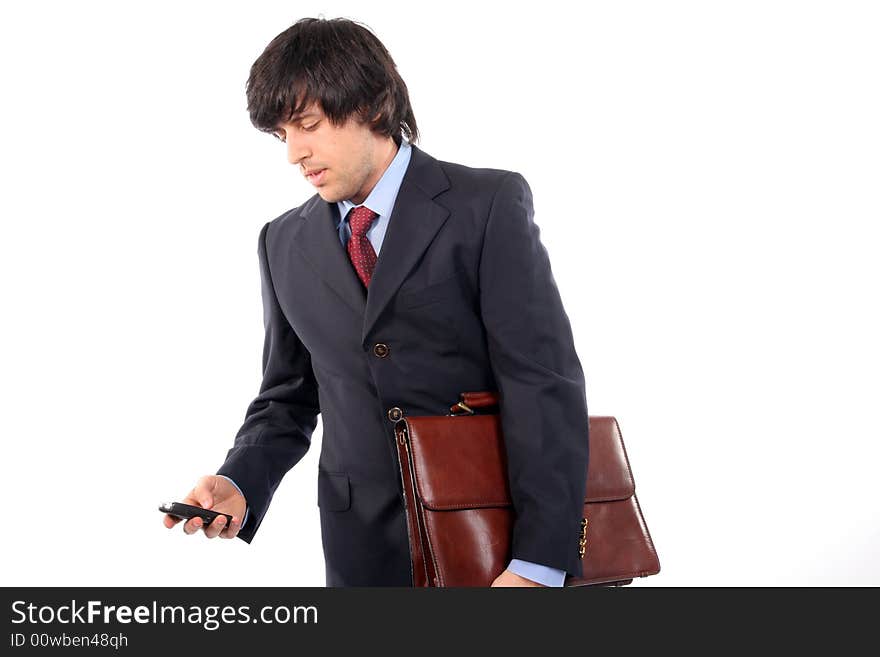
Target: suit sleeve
[
  {"x": 278, "y": 424},
  {"x": 540, "y": 382}
]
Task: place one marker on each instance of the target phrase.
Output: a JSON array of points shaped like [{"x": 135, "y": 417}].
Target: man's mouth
[{"x": 316, "y": 177}]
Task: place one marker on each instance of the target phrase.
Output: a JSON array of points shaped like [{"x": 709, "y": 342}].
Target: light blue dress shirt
[{"x": 381, "y": 201}]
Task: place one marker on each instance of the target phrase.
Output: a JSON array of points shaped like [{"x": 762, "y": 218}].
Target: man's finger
[
  {"x": 192, "y": 499},
  {"x": 192, "y": 525},
  {"x": 217, "y": 525},
  {"x": 232, "y": 530}
]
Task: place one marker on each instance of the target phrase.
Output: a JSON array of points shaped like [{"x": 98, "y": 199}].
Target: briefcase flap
[
  {"x": 459, "y": 462},
  {"x": 608, "y": 474}
]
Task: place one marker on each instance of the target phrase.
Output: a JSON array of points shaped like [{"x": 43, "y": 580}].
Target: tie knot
[{"x": 360, "y": 219}]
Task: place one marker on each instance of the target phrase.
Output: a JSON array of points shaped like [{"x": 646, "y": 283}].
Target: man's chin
[{"x": 327, "y": 195}]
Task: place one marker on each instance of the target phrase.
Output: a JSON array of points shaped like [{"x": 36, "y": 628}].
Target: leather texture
[{"x": 460, "y": 513}]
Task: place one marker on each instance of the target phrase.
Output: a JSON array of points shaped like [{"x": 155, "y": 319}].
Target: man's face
[{"x": 345, "y": 162}]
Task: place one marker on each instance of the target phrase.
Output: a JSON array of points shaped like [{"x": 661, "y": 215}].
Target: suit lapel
[
  {"x": 318, "y": 243},
  {"x": 415, "y": 220}
]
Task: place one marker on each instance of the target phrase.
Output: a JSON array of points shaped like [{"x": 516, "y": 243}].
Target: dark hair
[{"x": 338, "y": 63}]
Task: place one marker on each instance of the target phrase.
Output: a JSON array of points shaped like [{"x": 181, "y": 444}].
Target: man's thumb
[{"x": 206, "y": 501}]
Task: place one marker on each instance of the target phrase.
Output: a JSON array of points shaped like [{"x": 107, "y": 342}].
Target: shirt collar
[{"x": 381, "y": 198}]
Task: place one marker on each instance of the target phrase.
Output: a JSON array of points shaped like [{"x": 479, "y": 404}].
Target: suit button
[
  {"x": 381, "y": 350},
  {"x": 395, "y": 414}
]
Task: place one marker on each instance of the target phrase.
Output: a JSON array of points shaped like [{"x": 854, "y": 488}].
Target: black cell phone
[{"x": 187, "y": 511}]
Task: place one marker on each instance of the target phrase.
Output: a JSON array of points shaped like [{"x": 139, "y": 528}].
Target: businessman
[{"x": 401, "y": 283}]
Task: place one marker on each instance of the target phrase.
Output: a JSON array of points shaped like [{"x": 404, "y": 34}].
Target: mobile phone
[{"x": 187, "y": 511}]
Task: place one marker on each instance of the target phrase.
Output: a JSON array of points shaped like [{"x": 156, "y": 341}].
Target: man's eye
[{"x": 305, "y": 128}]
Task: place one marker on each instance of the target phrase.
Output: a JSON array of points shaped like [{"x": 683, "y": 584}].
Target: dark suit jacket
[{"x": 462, "y": 299}]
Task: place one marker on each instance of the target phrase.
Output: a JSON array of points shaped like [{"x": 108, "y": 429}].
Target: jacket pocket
[
  {"x": 445, "y": 289},
  {"x": 334, "y": 491}
]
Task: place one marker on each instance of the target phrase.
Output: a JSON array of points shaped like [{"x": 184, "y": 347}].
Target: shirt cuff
[
  {"x": 246, "y": 509},
  {"x": 537, "y": 573}
]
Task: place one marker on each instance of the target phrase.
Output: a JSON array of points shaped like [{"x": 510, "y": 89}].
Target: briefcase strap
[{"x": 472, "y": 400}]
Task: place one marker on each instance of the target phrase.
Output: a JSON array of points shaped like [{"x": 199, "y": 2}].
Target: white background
[{"x": 705, "y": 177}]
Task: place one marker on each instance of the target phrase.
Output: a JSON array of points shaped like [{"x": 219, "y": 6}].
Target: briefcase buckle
[{"x": 462, "y": 406}]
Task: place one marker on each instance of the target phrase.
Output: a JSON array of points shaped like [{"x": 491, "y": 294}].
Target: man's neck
[{"x": 387, "y": 157}]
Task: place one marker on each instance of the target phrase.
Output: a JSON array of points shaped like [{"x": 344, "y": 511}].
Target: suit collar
[
  {"x": 414, "y": 221},
  {"x": 381, "y": 199}
]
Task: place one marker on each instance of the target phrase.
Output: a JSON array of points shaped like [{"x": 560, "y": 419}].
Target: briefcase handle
[{"x": 472, "y": 400}]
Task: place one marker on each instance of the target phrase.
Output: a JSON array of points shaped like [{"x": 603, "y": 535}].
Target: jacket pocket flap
[
  {"x": 334, "y": 492},
  {"x": 444, "y": 289}
]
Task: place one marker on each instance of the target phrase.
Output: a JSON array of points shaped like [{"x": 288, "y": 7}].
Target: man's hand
[
  {"x": 218, "y": 494},
  {"x": 508, "y": 578}
]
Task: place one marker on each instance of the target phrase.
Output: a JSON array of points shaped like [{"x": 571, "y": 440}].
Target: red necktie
[{"x": 361, "y": 252}]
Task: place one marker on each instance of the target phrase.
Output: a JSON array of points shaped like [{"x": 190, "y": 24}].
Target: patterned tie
[{"x": 361, "y": 252}]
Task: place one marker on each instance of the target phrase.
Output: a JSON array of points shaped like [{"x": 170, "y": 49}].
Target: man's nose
[{"x": 296, "y": 151}]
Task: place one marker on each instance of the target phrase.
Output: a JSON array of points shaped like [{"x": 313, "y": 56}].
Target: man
[{"x": 403, "y": 282}]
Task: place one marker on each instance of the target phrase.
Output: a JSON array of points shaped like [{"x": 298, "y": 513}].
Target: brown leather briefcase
[{"x": 460, "y": 514}]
